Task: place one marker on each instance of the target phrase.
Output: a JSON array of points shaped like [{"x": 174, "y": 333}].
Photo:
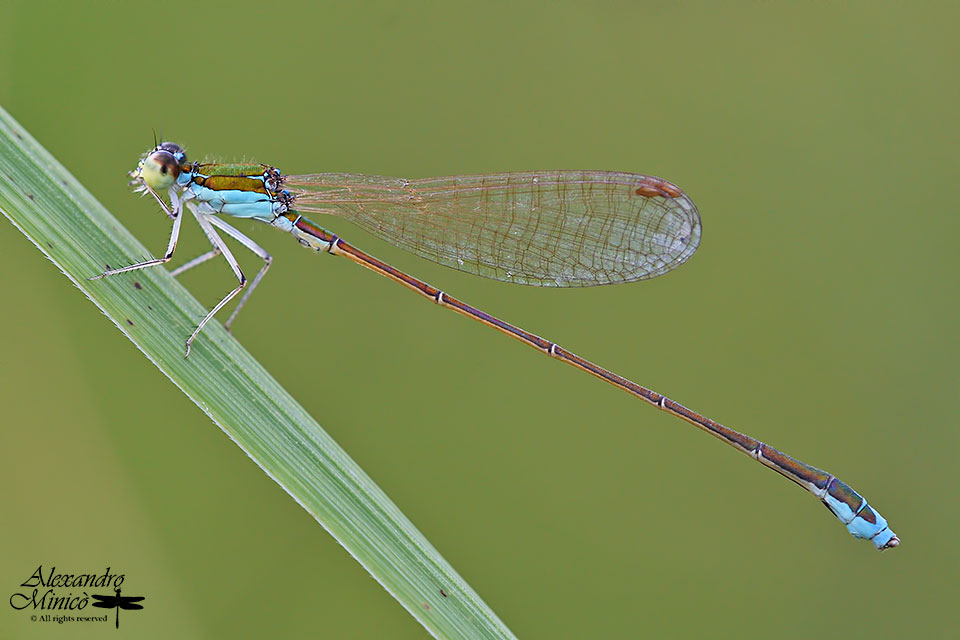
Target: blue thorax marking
[{"x": 243, "y": 195}]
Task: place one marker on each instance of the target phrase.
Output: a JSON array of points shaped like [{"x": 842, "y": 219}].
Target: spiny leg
[
  {"x": 204, "y": 221},
  {"x": 174, "y": 200},
  {"x": 213, "y": 253},
  {"x": 177, "y": 215},
  {"x": 255, "y": 248},
  {"x": 190, "y": 264}
]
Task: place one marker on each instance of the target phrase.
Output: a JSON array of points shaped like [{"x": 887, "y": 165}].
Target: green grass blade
[{"x": 79, "y": 236}]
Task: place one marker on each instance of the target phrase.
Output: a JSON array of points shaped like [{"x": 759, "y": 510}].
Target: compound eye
[{"x": 160, "y": 169}]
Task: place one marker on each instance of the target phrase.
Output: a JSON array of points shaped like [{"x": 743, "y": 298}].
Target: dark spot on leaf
[
  {"x": 443, "y": 593},
  {"x": 129, "y": 322},
  {"x": 30, "y": 195},
  {"x": 137, "y": 285}
]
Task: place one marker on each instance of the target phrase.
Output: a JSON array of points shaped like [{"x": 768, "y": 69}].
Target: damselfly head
[{"x": 159, "y": 168}]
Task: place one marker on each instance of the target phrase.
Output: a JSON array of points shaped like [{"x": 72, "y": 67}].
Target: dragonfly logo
[{"x": 118, "y": 602}]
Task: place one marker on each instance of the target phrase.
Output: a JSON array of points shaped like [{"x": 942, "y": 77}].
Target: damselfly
[{"x": 547, "y": 228}]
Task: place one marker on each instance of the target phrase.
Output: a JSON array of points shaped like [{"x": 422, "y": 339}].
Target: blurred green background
[{"x": 819, "y": 315}]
